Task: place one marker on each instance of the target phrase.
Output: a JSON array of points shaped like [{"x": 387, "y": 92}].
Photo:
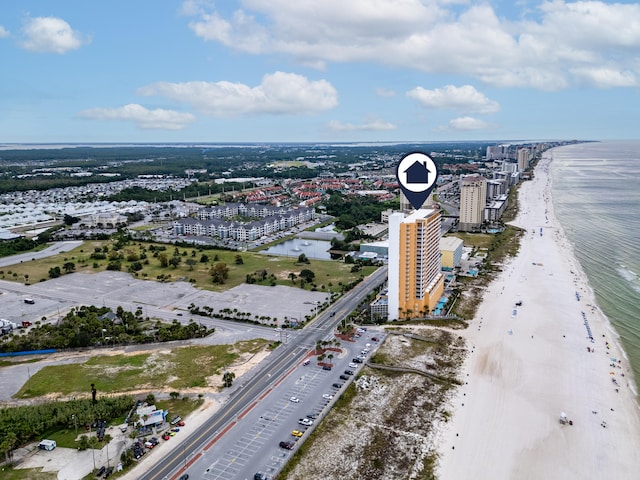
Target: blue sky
[{"x": 317, "y": 70}]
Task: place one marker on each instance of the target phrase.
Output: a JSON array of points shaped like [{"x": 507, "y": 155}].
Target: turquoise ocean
[{"x": 596, "y": 198}]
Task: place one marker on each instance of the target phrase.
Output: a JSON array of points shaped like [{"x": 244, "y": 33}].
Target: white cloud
[
  {"x": 51, "y": 35},
  {"x": 539, "y": 48},
  {"x": 467, "y": 123},
  {"x": 3, "y": 32},
  {"x": 606, "y": 77},
  {"x": 279, "y": 93},
  {"x": 464, "y": 99},
  {"x": 370, "y": 125},
  {"x": 149, "y": 119}
]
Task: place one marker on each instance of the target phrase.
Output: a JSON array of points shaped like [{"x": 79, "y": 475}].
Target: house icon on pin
[{"x": 417, "y": 173}]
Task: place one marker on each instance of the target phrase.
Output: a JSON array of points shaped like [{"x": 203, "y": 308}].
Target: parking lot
[
  {"x": 253, "y": 444},
  {"x": 57, "y": 295}
]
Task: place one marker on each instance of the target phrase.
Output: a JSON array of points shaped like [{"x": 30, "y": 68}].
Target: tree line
[
  {"x": 87, "y": 326},
  {"x": 24, "y": 424}
]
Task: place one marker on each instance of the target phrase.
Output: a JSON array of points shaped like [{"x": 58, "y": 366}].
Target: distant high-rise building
[
  {"x": 415, "y": 280},
  {"x": 473, "y": 198},
  {"x": 496, "y": 152},
  {"x": 524, "y": 157},
  {"x": 406, "y": 206}
]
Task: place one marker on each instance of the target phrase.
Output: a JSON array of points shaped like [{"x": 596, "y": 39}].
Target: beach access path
[{"x": 530, "y": 363}]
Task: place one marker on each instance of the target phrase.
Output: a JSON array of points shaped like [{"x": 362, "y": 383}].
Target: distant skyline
[{"x": 318, "y": 71}]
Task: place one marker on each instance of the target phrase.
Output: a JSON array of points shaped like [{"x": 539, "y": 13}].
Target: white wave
[{"x": 630, "y": 276}]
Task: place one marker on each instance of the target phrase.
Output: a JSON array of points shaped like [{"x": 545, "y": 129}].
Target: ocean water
[{"x": 596, "y": 197}]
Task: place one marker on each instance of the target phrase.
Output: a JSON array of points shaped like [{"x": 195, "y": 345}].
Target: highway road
[{"x": 272, "y": 370}]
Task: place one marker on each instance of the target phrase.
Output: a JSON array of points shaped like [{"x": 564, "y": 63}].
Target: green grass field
[
  {"x": 180, "y": 368},
  {"x": 8, "y": 473},
  {"x": 328, "y": 274}
]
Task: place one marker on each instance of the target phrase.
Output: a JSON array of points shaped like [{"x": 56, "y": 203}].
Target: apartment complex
[
  {"x": 211, "y": 222},
  {"x": 473, "y": 198},
  {"x": 415, "y": 280}
]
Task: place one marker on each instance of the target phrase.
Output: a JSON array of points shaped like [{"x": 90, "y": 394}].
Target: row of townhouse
[
  {"x": 243, "y": 232},
  {"x": 245, "y": 210}
]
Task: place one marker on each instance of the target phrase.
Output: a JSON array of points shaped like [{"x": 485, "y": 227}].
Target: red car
[
  {"x": 181, "y": 423},
  {"x": 166, "y": 436}
]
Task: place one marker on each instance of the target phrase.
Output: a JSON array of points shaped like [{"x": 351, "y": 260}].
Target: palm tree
[{"x": 227, "y": 378}]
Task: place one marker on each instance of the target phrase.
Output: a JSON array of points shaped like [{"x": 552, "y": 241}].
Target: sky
[{"x": 318, "y": 70}]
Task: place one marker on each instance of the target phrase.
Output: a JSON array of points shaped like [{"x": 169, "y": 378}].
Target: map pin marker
[{"x": 417, "y": 175}]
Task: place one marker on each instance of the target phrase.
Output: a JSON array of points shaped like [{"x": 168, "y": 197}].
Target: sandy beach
[{"x": 531, "y": 362}]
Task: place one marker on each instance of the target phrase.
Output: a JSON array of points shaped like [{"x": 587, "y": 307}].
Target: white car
[
  {"x": 327, "y": 396},
  {"x": 294, "y": 400},
  {"x": 307, "y": 422},
  {"x": 353, "y": 365}
]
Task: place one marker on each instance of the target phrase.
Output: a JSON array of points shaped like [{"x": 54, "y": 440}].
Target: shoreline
[{"x": 529, "y": 363}]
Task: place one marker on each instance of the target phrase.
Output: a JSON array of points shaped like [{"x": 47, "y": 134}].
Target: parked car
[
  {"x": 348, "y": 372},
  {"x": 337, "y": 385},
  {"x": 166, "y": 436},
  {"x": 375, "y": 339},
  {"x": 353, "y": 365},
  {"x": 356, "y": 360},
  {"x": 101, "y": 471},
  {"x": 307, "y": 422},
  {"x": 184, "y": 477},
  {"x": 297, "y": 433},
  {"x": 260, "y": 476},
  {"x": 327, "y": 396},
  {"x": 344, "y": 377},
  {"x": 287, "y": 445},
  {"x": 326, "y": 367},
  {"x": 294, "y": 400}
]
